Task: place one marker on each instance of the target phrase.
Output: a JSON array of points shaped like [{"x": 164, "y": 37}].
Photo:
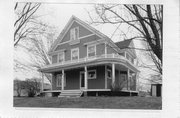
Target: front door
[{"x": 82, "y": 80}]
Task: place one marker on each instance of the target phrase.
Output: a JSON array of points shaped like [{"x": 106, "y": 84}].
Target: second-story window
[
  {"x": 91, "y": 50},
  {"x": 74, "y": 33},
  {"x": 75, "y": 54},
  {"x": 54, "y": 58},
  {"x": 61, "y": 57}
]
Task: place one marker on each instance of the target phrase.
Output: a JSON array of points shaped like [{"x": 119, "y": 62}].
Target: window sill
[{"x": 74, "y": 42}]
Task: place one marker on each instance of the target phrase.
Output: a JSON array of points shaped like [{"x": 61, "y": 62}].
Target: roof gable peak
[{"x": 84, "y": 24}]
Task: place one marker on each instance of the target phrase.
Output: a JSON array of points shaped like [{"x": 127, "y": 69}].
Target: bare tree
[
  {"x": 35, "y": 35},
  {"x": 145, "y": 20},
  {"x": 26, "y": 22}
]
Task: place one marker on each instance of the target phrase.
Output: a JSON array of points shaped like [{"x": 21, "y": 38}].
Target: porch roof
[{"x": 88, "y": 62}]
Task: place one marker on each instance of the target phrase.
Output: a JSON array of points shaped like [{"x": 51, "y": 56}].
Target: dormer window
[{"x": 74, "y": 33}]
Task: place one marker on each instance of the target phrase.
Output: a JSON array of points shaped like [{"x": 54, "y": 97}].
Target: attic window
[{"x": 74, "y": 33}]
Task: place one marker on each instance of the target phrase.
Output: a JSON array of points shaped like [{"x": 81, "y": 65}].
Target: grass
[{"x": 91, "y": 102}]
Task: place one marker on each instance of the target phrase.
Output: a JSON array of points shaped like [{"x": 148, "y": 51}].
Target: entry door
[{"x": 82, "y": 80}]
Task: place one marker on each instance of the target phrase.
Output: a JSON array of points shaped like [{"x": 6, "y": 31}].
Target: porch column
[
  {"x": 105, "y": 48},
  {"x": 128, "y": 81},
  {"x": 113, "y": 73},
  {"x": 51, "y": 80},
  {"x": 42, "y": 83},
  {"x": 86, "y": 79},
  {"x": 137, "y": 81},
  {"x": 105, "y": 76},
  {"x": 62, "y": 82}
]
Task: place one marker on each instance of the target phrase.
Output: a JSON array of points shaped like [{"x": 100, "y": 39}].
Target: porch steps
[{"x": 71, "y": 93}]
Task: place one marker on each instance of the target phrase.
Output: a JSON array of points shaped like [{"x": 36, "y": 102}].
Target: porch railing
[{"x": 86, "y": 59}]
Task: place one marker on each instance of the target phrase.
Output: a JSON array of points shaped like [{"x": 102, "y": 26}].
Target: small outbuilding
[{"x": 156, "y": 90}]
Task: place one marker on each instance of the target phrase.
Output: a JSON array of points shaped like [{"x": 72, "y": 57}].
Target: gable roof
[
  {"x": 73, "y": 18},
  {"x": 127, "y": 44},
  {"x": 123, "y": 44}
]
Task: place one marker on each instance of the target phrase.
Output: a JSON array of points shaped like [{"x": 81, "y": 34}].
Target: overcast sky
[{"x": 59, "y": 14}]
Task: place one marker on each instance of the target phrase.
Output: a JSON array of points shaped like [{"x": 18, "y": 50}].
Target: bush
[
  {"x": 117, "y": 86},
  {"x": 32, "y": 87}
]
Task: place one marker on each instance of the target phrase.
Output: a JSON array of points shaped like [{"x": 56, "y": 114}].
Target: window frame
[
  {"x": 92, "y": 71},
  {"x": 59, "y": 57},
  {"x": 109, "y": 70},
  {"x": 57, "y": 79},
  {"x": 52, "y": 59},
  {"x": 72, "y": 51},
  {"x": 74, "y": 29},
  {"x": 60, "y": 80},
  {"x": 94, "y": 45}
]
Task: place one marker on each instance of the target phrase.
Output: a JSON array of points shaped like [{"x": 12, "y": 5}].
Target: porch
[{"x": 94, "y": 79}]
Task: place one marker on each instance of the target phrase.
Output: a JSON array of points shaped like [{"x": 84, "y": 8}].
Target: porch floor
[
  {"x": 51, "y": 91},
  {"x": 94, "y": 92}
]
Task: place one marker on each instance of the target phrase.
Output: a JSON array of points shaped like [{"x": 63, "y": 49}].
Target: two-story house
[{"x": 84, "y": 60}]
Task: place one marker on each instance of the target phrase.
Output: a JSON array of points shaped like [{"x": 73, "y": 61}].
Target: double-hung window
[
  {"x": 109, "y": 74},
  {"x": 74, "y": 33},
  {"x": 61, "y": 57},
  {"x": 91, "y": 50},
  {"x": 54, "y": 58},
  {"x": 59, "y": 80},
  {"x": 75, "y": 54},
  {"x": 92, "y": 74}
]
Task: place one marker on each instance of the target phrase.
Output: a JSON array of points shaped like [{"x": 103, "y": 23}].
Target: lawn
[{"x": 91, "y": 102}]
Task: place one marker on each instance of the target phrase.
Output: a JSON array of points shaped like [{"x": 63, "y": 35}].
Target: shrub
[
  {"x": 117, "y": 87},
  {"x": 32, "y": 87}
]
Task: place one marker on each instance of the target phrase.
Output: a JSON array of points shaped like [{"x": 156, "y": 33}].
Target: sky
[{"x": 58, "y": 15}]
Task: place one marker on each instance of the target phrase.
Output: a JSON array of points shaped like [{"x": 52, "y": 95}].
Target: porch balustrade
[{"x": 86, "y": 59}]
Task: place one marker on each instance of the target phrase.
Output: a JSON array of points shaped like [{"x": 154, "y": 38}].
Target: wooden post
[
  {"x": 113, "y": 73},
  {"x": 128, "y": 80},
  {"x": 137, "y": 81},
  {"x": 86, "y": 81},
  {"x": 62, "y": 82},
  {"x": 85, "y": 74},
  {"x": 105, "y": 76},
  {"x": 42, "y": 83},
  {"x": 51, "y": 81},
  {"x": 105, "y": 49}
]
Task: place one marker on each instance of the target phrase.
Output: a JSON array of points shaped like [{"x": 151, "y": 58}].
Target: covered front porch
[{"x": 94, "y": 78}]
